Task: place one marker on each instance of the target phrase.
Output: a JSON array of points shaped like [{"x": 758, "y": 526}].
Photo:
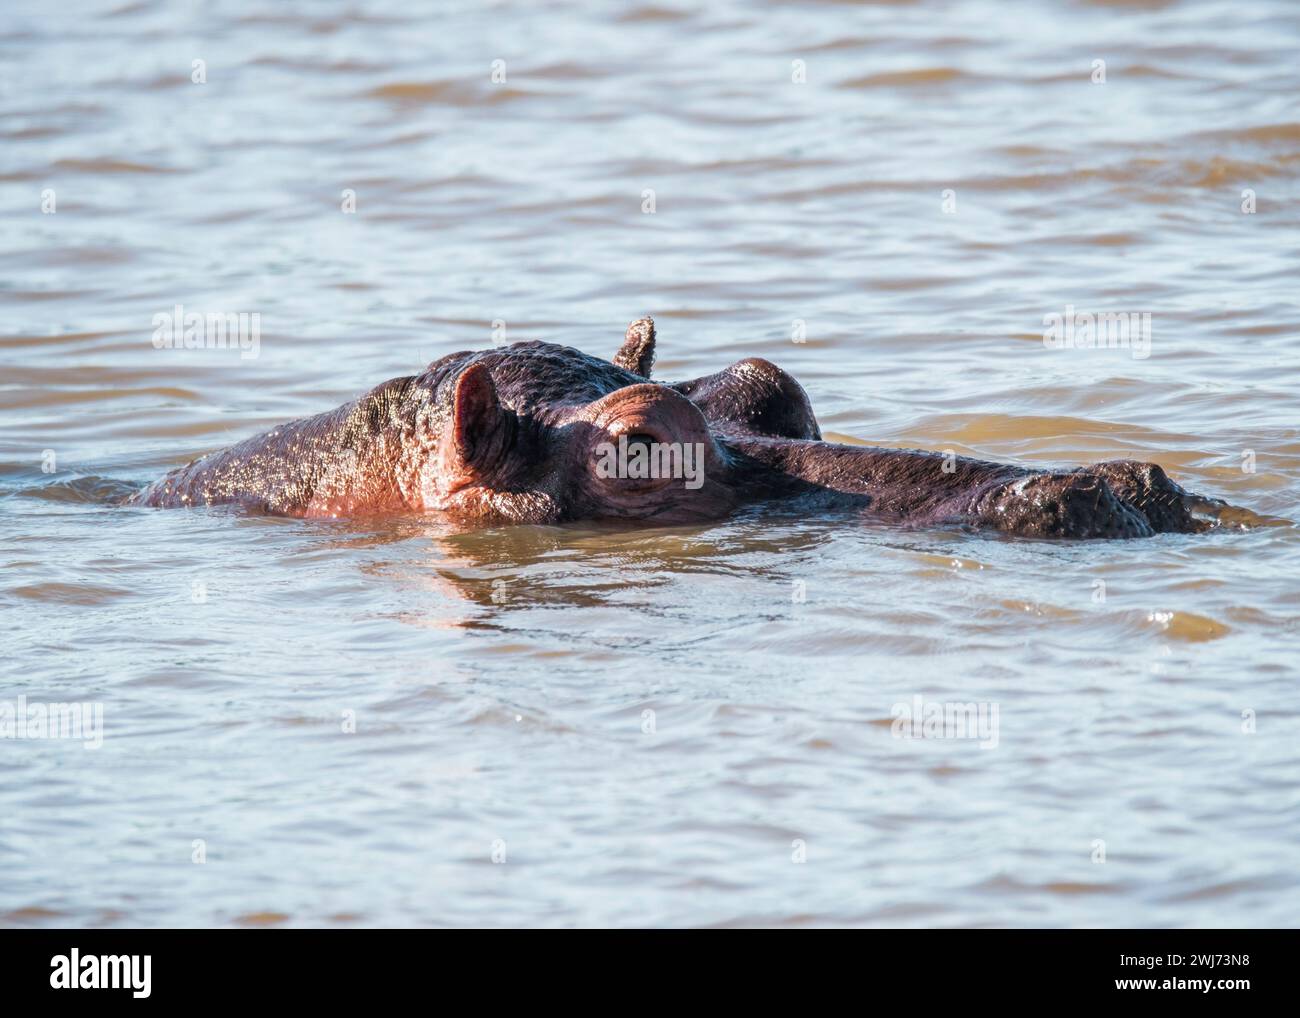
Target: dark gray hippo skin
[{"x": 514, "y": 435}]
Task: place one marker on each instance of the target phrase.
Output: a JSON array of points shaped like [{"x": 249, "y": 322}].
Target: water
[{"x": 650, "y": 726}]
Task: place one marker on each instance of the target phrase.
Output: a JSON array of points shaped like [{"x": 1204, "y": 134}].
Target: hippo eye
[{"x": 640, "y": 438}]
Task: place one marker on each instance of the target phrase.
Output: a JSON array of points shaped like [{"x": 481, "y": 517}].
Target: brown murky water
[{"x": 684, "y": 726}]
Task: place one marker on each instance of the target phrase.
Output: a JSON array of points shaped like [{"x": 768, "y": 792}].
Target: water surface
[{"x": 646, "y": 727}]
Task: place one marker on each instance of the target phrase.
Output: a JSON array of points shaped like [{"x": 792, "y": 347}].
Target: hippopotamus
[{"x": 540, "y": 433}]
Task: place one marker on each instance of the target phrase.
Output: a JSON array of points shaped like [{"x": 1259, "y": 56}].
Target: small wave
[
  {"x": 262, "y": 919},
  {"x": 85, "y": 594},
  {"x": 109, "y": 165},
  {"x": 1218, "y": 171},
  {"x": 88, "y": 490},
  {"x": 29, "y": 915},
  {"x": 58, "y": 339},
  {"x": 650, "y": 13},
  {"x": 342, "y": 66},
  {"x": 1005, "y": 882},
  {"x": 1187, "y": 627},
  {"x": 1266, "y": 133},
  {"x": 448, "y": 93},
  {"x": 920, "y": 76},
  {"x": 1240, "y": 517}
]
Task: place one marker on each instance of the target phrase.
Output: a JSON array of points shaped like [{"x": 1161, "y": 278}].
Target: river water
[{"x": 338, "y": 723}]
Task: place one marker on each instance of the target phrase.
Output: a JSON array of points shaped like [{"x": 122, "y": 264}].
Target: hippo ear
[
  {"x": 476, "y": 414},
  {"x": 637, "y": 354}
]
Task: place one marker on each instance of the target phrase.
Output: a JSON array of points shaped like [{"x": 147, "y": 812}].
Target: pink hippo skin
[{"x": 519, "y": 434}]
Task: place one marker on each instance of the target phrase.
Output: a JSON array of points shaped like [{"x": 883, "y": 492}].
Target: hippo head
[{"x": 540, "y": 433}]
